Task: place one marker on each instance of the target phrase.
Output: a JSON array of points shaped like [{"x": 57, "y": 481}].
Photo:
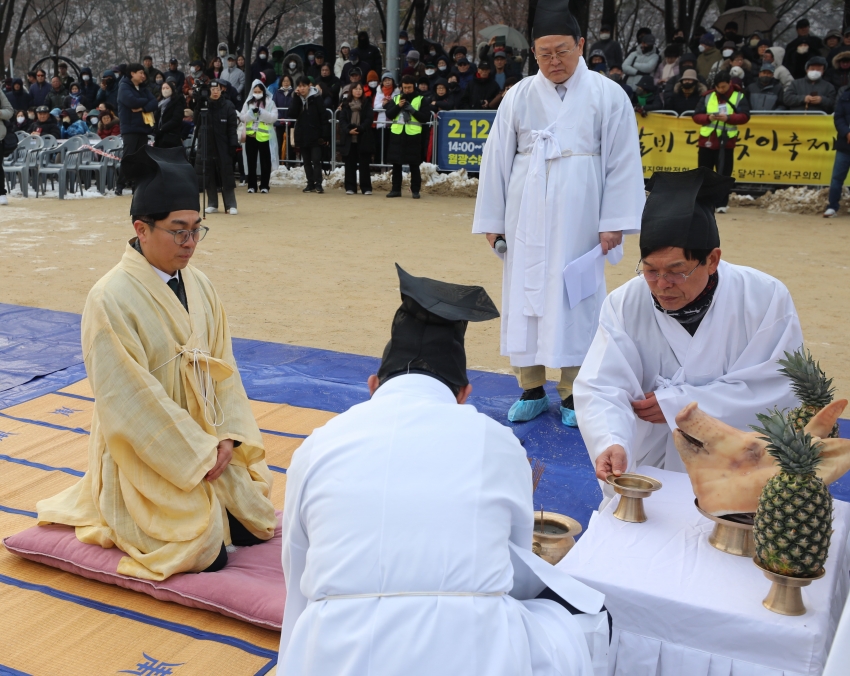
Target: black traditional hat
[
  {"x": 429, "y": 327},
  {"x": 165, "y": 181},
  {"x": 553, "y": 17},
  {"x": 679, "y": 211}
]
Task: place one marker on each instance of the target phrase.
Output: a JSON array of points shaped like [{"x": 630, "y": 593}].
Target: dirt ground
[{"x": 317, "y": 270}]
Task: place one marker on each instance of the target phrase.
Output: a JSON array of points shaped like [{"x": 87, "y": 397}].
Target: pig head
[{"x": 729, "y": 468}]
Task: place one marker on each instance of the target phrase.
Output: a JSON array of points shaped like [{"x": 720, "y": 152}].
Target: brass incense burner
[
  {"x": 785, "y": 596},
  {"x": 732, "y": 533},
  {"x": 633, "y": 488},
  {"x": 554, "y": 535}
]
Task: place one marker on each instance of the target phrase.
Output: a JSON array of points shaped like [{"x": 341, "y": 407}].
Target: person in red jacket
[{"x": 719, "y": 113}]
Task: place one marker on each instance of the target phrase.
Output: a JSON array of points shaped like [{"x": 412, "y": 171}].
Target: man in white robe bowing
[
  {"x": 177, "y": 469},
  {"x": 407, "y": 527},
  {"x": 561, "y": 177},
  {"x": 689, "y": 327}
]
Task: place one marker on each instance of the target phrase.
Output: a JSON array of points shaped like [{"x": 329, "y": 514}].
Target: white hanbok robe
[
  {"x": 422, "y": 510},
  {"x": 728, "y": 367},
  {"x": 554, "y": 175}
]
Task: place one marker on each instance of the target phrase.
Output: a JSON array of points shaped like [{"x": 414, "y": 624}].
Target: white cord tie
[
  {"x": 377, "y": 595},
  {"x": 205, "y": 382}
]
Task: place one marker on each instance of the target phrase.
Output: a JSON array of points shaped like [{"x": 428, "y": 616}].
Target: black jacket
[
  {"x": 20, "y": 98},
  {"x": 370, "y": 54},
  {"x": 169, "y": 123},
  {"x": 680, "y": 101},
  {"x": 767, "y": 97},
  {"x": 365, "y": 139},
  {"x": 88, "y": 89},
  {"x": 50, "y": 127},
  {"x": 312, "y": 126},
  {"x": 56, "y": 98},
  {"x": 129, "y": 98},
  {"x": 842, "y": 121},
  {"x": 479, "y": 91},
  {"x": 217, "y": 144}
]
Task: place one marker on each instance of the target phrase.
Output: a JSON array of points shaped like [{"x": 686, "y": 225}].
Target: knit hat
[
  {"x": 371, "y": 76},
  {"x": 707, "y": 39},
  {"x": 413, "y": 54}
]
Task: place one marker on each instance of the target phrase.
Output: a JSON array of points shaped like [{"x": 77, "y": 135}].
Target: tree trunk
[
  {"x": 419, "y": 31},
  {"x": 198, "y": 36},
  {"x": 329, "y": 29},
  {"x": 669, "y": 21},
  {"x": 609, "y": 15},
  {"x": 581, "y": 11},
  {"x": 212, "y": 31},
  {"x": 846, "y": 15}
]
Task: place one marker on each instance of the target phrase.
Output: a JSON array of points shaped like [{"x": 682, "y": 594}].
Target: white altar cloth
[{"x": 682, "y": 608}]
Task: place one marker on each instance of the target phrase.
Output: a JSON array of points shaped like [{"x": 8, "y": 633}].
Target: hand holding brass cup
[{"x": 633, "y": 488}]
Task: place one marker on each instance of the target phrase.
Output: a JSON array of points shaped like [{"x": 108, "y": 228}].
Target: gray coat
[
  {"x": 796, "y": 93},
  {"x": 638, "y": 64},
  {"x": 6, "y": 112}
]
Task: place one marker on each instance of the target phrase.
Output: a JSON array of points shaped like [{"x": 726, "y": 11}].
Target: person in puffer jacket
[{"x": 259, "y": 114}]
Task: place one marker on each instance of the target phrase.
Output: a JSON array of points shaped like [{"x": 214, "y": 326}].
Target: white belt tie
[{"x": 378, "y": 595}]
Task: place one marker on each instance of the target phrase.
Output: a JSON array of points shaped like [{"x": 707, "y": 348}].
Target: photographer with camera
[
  {"x": 215, "y": 144},
  {"x": 408, "y": 113},
  {"x": 136, "y": 106}
]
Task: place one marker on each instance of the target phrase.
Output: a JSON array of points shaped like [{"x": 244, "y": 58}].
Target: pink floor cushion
[{"x": 250, "y": 588}]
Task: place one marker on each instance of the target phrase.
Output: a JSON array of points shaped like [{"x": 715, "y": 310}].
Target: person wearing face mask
[
  {"x": 642, "y": 61},
  {"x": 404, "y": 43},
  {"x": 414, "y": 66},
  {"x": 314, "y": 70},
  {"x": 261, "y": 63},
  {"x": 719, "y": 113},
  {"x": 615, "y": 73},
  {"x": 811, "y": 92},
  {"x": 801, "y": 49},
  {"x": 383, "y": 95},
  {"x": 766, "y": 93},
  {"x": 408, "y": 115},
  {"x": 751, "y": 45},
  {"x": 259, "y": 114},
  {"x": 442, "y": 66},
  {"x": 730, "y": 34},
  {"x": 431, "y": 71},
  {"x": 709, "y": 55},
  {"x": 92, "y": 118},
  {"x": 371, "y": 84},
  {"x": 776, "y": 55},
  {"x": 606, "y": 43},
  {"x": 88, "y": 87},
  {"x": 686, "y": 93},
  {"x": 71, "y": 124},
  {"x": 838, "y": 75},
  {"x": 168, "y": 117},
  {"x": 282, "y": 99},
  {"x": 21, "y": 121},
  {"x": 735, "y": 60},
  {"x": 278, "y": 54}
]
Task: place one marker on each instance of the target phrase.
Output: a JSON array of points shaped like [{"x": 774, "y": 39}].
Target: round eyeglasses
[
  {"x": 183, "y": 236},
  {"x": 562, "y": 55}
]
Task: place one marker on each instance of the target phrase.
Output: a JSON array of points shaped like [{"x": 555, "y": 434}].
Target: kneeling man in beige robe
[{"x": 177, "y": 468}]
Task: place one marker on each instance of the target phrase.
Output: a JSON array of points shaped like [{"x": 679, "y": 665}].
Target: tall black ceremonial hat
[
  {"x": 553, "y": 17},
  {"x": 429, "y": 327},
  {"x": 679, "y": 211},
  {"x": 165, "y": 181}
]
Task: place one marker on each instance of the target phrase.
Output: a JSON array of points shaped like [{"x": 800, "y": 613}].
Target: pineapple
[
  {"x": 793, "y": 522},
  {"x": 810, "y": 384}
]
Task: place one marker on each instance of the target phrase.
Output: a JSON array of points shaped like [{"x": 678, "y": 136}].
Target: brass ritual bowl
[
  {"x": 785, "y": 596},
  {"x": 554, "y": 536},
  {"x": 732, "y": 533},
  {"x": 633, "y": 488}
]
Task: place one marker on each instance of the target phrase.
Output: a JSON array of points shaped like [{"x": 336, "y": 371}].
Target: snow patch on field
[{"x": 793, "y": 200}]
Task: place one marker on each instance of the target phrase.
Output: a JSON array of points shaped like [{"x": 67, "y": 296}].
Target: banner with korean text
[
  {"x": 785, "y": 149},
  {"x": 782, "y": 149}
]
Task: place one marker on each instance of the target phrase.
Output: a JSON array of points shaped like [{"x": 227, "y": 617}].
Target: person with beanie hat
[
  {"x": 606, "y": 43},
  {"x": 642, "y": 61},
  {"x": 371, "y": 85},
  {"x": 709, "y": 55},
  {"x": 766, "y": 93},
  {"x": 88, "y": 87},
  {"x": 801, "y": 49}
]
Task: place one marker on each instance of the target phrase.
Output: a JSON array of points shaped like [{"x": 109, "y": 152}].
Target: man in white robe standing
[
  {"x": 561, "y": 177},
  {"x": 407, "y": 527},
  {"x": 690, "y": 327}
]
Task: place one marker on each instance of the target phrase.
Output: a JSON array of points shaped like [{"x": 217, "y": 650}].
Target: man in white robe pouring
[
  {"x": 561, "y": 178},
  {"x": 407, "y": 527},
  {"x": 690, "y": 327}
]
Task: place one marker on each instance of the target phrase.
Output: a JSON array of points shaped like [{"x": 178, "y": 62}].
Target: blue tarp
[{"x": 40, "y": 353}]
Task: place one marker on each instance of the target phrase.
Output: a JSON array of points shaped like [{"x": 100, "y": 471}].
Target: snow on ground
[{"x": 793, "y": 200}]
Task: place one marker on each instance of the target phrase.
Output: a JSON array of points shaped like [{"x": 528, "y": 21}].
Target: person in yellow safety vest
[
  {"x": 719, "y": 113},
  {"x": 259, "y": 114},
  {"x": 408, "y": 115}
]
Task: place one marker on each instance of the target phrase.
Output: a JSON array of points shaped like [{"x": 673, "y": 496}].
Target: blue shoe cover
[
  {"x": 568, "y": 417},
  {"x": 523, "y": 411}
]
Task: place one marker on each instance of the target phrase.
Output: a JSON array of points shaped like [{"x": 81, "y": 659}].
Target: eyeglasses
[
  {"x": 562, "y": 55},
  {"x": 669, "y": 277},
  {"x": 183, "y": 236}
]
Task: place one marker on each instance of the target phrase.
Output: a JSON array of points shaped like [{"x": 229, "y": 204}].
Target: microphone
[{"x": 501, "y": 246}]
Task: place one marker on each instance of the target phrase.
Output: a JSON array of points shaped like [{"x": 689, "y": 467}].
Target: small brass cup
[
  {"x": 785, "y": 596},
  {"x": 732, "y": 534},
  {"x": 633, "y": 488},
  {"x": 554, "y": 536}
]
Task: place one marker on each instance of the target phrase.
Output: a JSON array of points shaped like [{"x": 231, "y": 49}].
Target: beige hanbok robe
[{"x": 153, "y": 437}]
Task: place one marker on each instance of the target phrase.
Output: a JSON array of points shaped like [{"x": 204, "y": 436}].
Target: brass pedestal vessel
[
  {"x": 785, "y": 596},
  {"x": 633, "y": 488},
  {"x": 732, "y": 534},
  {"x": 554, "y": 535}
]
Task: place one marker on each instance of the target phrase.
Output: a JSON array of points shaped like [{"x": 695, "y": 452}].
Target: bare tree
[{"x": 16, "y": 19}]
